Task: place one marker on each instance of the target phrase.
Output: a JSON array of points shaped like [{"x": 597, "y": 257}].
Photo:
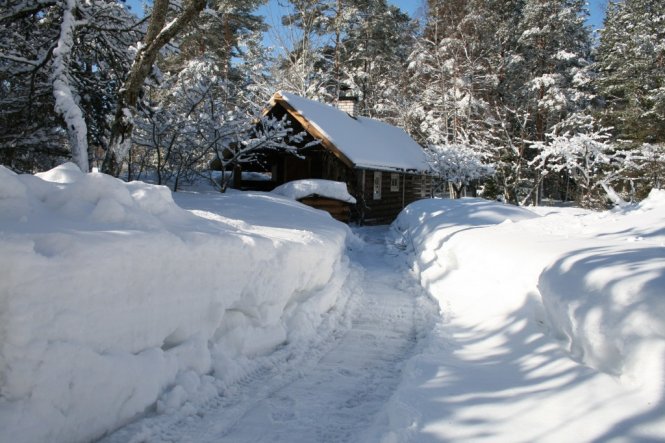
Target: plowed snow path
[{"x": 333, "y": 393}]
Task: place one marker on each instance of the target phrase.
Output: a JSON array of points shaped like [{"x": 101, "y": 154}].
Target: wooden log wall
[
  {"x": 386, "y": 209},
  {"x": 339, "y": 210}
]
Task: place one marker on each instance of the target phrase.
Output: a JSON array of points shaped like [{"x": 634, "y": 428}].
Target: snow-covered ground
[
  {"x": 552, "y": 328},
  {"x": 250, "y": 317},
  {"x": 333, "y": 391},
  {"x": 113, "y": 299}
]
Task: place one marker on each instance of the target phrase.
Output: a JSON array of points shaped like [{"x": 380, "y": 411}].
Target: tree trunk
[
  {"x": 159, "y": 34},
  {"x": 65, "y": 102}
]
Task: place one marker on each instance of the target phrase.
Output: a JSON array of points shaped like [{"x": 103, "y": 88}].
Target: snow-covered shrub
[
  {"x": 458, "y": 164},
  {"x": 591, "y": 161}
]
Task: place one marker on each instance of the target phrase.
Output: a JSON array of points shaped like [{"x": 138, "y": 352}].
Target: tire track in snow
[
  {"x": 338, "y": 399},
  {"x": 333, "y": 393}
]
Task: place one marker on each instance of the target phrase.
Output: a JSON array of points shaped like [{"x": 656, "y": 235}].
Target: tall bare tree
[{"x": 160, "y": 32}]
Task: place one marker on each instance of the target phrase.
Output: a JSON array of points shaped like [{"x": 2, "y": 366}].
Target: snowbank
[
  {"x": 298, "y": 189},
  {"x": 521, "y": 292},
  {"x": 111, "y": 296},
  {"x": 606, "y": 298}
]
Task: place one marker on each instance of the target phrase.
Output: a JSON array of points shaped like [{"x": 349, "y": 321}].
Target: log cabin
[{"x": 383, "y": 168}]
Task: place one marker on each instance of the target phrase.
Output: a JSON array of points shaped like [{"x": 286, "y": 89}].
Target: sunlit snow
[{"x": 129, "y": 313}]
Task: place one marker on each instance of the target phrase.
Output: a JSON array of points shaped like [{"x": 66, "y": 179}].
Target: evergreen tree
[
  {"x": 549, "y": 70},
  {"x": 547, "y": 81},
  {"x": 630, "y": 60},
  {"x": 359, "y": 45},
  {"x": 303, "y": 67},
  {"x": 456, "y": 69},
  {"x": 374, "y": 51}
]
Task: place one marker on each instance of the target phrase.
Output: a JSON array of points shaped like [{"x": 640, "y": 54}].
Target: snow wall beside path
[
  {"x": 599, "y": 276},
  {"x": 605, "y": 298},
  {"x": 521, "y": 292},
  {"x": 111, "y": 295}
]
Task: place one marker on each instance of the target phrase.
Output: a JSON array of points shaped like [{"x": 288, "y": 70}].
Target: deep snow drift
[
  {"x": 112, "y": 296},
  {"x": 335, "y": 390},
  {"x": 114, "y": 299},
  {"x": 524, "y": 299}
]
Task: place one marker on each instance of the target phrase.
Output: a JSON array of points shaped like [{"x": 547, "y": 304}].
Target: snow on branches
[
  {"x": 590, "y": 160},
  {"x": 250, "y": 141},
  {"x": 459, "y": 164},
  {"x": 66, "y": 103}
]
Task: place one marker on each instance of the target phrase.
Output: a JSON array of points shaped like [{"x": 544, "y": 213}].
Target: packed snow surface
[
  {"x": 113, "y": 298},
  {"x": 368, "y": 143},
  {"x": 333, "y": 391},
  {"x": 298, "y": 189},
  {"x": 552, "y": 328}
]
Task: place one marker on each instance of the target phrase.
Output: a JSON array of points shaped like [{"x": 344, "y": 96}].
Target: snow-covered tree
[
  {"x": 591, "y": 160},
  {"x": 449, "y": 74},
  {"x": 251, "y": 141},
  {"x": 301, "y": 66},
  {"x": 359, "y": 46},
  {"x": 631, "y": 70},
  {"x": 160, "y": 32},
  {"x": 254, "y": 81},
  {"x": 456, "y": 73},
  {"x": 196, "y": 115},
  {"x": 654, "y": 164},
  {"x": 459, "y": 165},
  {"x": 550, "y": 68},
  {"x": 177, "y": 124},
  {"x": 376, "y": 42},
  {"x": 545, "y": 79},
  {"x": 59, "y": 63}
]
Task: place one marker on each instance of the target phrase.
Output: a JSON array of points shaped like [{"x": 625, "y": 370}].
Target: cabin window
[
  {"x": 377, "y": 185},
  {"x": 394, "y": 182}
]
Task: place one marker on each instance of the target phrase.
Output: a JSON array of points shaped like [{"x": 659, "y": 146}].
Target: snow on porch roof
[{"x": 367, "y": 143}]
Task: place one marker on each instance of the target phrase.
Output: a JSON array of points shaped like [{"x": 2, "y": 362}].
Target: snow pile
[
  {"x": 525, "y": 296},
  {"x": 606, "y": 299},
  {"x": 111, "y": 296},
  {"x": 298, "y": 189}
]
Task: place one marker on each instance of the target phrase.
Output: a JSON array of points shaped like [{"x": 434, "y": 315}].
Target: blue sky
[
  {"x": 596, "y": 8},
  {"x": 272, "y": 12}
]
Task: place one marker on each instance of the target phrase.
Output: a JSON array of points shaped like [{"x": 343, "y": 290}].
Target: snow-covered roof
[{"x": 365, "y": 142}]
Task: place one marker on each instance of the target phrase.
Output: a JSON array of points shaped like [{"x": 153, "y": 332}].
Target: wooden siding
[
  {"x": 339, "y": 210},
  {"x": 370, "y": 211},
  {"x": 325, "y": 161}
]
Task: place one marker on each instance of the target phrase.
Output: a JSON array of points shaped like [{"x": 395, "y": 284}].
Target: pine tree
[
  {"x": 455, "y": 72},
  {"x": 449, "y": 66},
  {"x": 630, "y": 60},
  {"x": 547, "y": 78},
  {"x": 303, "y": 66},
  {"x": 554, "y": 51},
  {"x": 374, "y": 50}
]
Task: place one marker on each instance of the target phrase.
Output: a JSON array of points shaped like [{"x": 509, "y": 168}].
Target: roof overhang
[{"x": 311, "y": 129}]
